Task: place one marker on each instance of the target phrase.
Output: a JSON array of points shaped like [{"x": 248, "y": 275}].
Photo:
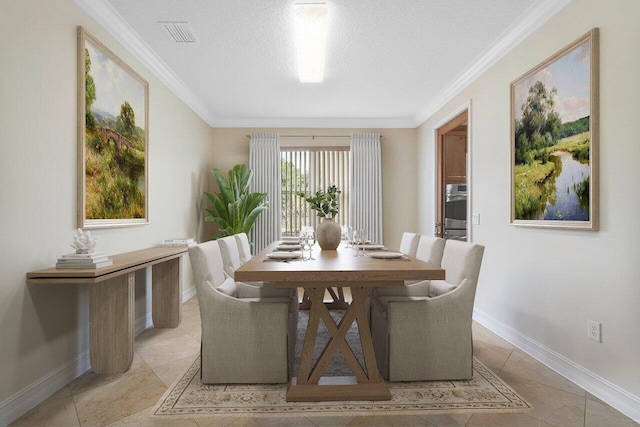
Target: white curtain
[
  {"x": 365, "y": 203},
  {"x": 264, "y": 161}
]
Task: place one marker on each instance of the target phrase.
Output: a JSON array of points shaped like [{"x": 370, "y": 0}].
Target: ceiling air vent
[{"x": 180, "y": 32}]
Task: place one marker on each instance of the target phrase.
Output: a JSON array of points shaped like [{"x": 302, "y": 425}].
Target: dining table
[{"x": 339, "y": 268}]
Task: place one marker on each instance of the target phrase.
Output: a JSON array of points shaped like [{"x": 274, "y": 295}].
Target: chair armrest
[
  {"x": 430, "y": 312},
  {"x": 418, "y": 288},
  {"x": 231, "y": 316},
  {"x": 248, "y": 290}
]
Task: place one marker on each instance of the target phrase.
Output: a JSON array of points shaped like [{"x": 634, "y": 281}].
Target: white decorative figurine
[{"x": 83, "y": 242}]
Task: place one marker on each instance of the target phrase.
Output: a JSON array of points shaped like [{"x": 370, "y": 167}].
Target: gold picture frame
[
  {"x": 554, "y": 139},
  {"x": 113, "y": 139}
]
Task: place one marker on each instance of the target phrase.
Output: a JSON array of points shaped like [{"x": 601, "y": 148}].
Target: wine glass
[
  {"x": 350, "y": 237},
  {"x": 362, "y": 240},
  {"x": 311, "y": 240},
  {"x": 304, "y": 245},
  {"x": 355, "y": 239}
]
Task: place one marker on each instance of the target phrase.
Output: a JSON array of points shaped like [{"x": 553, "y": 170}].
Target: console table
[{"x": 111, "y": 300}]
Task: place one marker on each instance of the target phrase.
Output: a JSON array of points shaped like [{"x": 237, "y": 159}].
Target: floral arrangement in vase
[{"x": 323, "y": 202}]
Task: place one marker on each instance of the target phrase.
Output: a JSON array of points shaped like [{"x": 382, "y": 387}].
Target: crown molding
[
  {"x": 534, "y": 18},
  {"x": 338, "y": 123},
  {"x": 112, "y": 22}
]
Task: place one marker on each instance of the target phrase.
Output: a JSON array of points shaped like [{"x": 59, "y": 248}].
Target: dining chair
[
  {"x": 232, "y": 259},
  {"x": 429, "y": 249},
  {"x": 247, "y": 336},
  {"x": 230, "y": 255},
  {"x": 409, "y": 243},
  {"x": 244, "y": 247},
  {"x": 428, "y": 336}
]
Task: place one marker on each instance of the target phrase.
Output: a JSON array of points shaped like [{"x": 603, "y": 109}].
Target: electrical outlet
[{"x": 593, "y": 331}]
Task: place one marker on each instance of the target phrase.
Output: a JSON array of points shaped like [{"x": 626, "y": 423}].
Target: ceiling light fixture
[{"x": 311, "y": 40}]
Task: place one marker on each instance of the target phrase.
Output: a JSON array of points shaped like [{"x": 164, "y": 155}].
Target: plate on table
[
  {"x": 288, "y": 247},
  {"x": 285, "y": 255},
  {"x": 290, "y": 240},
  {"x": 385, "y": 255},
  {"x": 371, "y": 246}
]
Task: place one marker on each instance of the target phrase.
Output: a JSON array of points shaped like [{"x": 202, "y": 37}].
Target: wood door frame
[{"x": 453, "y": 120}]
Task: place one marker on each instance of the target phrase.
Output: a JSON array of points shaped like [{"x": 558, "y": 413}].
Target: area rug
[{"x": 485, "y": 392}]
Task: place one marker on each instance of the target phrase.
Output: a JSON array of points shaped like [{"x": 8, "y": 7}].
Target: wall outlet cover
[{"x": 593, "y": 331}]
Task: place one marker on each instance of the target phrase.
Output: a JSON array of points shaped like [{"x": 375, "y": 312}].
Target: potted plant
[
  {"x": 325, "y": 203},
  {"x": 234, "y": 208}
]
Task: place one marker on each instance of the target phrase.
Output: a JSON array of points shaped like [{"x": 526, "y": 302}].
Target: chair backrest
[
  {"x": 230, "y": 254},
  {"x": 462, "y": 260},
  {"x": 206, "y": 263},
  {"x": 244, "y": 248},
  {"x": 409, "y": 243},
  {"x": 430, "y": 249}
]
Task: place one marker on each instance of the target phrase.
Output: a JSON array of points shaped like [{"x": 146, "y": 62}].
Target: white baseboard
[
  {"x": 613, "y": 395},
  {"x": 35, "y": 393},
  {"x": 32, "y": 395},
  {"x": 187, "y": 294}
]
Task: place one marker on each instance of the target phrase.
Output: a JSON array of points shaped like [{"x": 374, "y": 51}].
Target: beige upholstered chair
[
  {"x": 231, "y": 248},
  {"x": 230, "y": 255},
  {"x": 244, "y": 248},
  {"x": 429, "y": 249},
  {"x": 409, "y": 243},
  {"x": 247, "y": 337},
  {"x": 428, "y": 336}
]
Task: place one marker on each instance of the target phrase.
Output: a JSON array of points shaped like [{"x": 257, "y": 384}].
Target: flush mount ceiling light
[{"x": 311, "y": 40}]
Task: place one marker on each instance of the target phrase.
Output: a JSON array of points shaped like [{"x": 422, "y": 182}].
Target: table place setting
[
  {"x": 372, "y": 247},
  {"x": 388, "y": 255},
  {"x": 283, "y": 256},
  {"x": 288, "y": 247},
  {"x": 290, "y": 240}
]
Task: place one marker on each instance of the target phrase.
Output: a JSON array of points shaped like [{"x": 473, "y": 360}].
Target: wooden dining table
[{"x": 336, "y": 269}]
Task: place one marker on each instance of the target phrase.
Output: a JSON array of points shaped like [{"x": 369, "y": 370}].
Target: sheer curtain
[
  {"x": 365, "y": 204},
  {"x": 264, "y": 161}
]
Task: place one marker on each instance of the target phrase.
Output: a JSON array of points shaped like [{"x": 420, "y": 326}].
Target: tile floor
[{"x": 161, "y": 355}]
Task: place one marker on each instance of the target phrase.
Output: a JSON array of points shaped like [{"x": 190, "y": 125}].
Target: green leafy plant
[
  {"x": 323, "y": 202},
  {"x": 234, "y": 208}
]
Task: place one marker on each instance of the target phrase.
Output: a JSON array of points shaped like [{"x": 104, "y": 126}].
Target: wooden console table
[{"x": 111, "y": 300}]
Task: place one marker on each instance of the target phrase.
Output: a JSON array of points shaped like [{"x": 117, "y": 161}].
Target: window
[{"x": 306, "y": 169}]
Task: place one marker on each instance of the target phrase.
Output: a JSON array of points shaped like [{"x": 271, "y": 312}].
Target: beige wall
[
  {"x": 543, "y": 283},
  {"x": 42, "y": 327},
  {"x": 398, "y": 167}
]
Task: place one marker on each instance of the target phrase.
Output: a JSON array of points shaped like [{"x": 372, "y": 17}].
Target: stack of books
[
  {"x": 90, "y": 260},
  {"x": 182, "y": 241}
]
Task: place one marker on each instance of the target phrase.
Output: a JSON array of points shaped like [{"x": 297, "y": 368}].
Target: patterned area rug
[{"x": 485, "y": 392}]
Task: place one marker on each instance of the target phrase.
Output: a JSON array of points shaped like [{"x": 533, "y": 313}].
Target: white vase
[{"x": 329, "y": 234}]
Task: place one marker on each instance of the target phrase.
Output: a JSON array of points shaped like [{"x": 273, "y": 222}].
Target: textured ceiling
[{"x": 388, "y": 61}]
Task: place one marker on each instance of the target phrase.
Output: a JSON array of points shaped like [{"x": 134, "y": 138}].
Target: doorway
[{"x": 451, "y": 178}]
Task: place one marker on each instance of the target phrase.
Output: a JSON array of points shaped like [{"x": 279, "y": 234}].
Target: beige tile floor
[{"x": 161, "y": 355}]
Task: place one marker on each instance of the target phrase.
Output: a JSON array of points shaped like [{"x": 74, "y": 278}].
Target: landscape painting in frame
[
  {"x": 112, "y": 137},
  {"x": 554, "y": 130}
]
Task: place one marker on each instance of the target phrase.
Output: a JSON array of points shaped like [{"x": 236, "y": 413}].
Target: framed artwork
[
  {"x": 554, "y": 140},
  {"x": 113, "y": 127}
]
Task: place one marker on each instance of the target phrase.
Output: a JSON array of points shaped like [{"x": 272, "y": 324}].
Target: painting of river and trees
[
  {"x": 113, "y": 123},
  {"x": 554, "y": 139}
]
